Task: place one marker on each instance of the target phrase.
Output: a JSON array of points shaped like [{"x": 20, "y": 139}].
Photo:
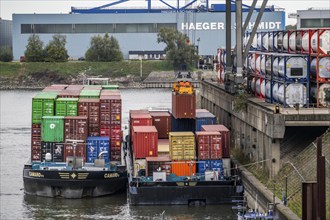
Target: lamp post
[
  {"x": 198, "y": 40},
  {"x": 141, "y": 66}
]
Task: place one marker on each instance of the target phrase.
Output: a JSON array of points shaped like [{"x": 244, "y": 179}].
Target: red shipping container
[
  {"x": 115, "y": 155},
  {"x": 209, "y": 145},
  {"x": 162, "y": 122},
  {"x": 80, "y": 151},
  {"x": 110, "y": 92},
  {"x": 140, "y": 120},
  {"x": 36, "y": 155},
  {"x": 69, "y": 94},
  {"x": 76, "y": 127},
  {"x": 183, "y": 105},
  {"x": 90, "y": 108},
  {"x": 75, "y": 87},
  {"x": 225, "y": 136},
  {"x": 140, "y": 111},
  {"x": 184, "y": 168},
  {"x": 145, "y": 141},
  {"x": 104, "y": 131},
  {"x": 36, "y": 137}
]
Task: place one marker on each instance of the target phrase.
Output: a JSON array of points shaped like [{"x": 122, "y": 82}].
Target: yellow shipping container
[{"x": 182, "y": 145}]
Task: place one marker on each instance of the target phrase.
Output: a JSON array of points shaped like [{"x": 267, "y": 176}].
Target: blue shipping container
[
  {"x": 96, "y": 145},
  {"x": 205, "y": 165},
  {"x": 183, "y": 124},
  {"x": 204, "y": 118}
]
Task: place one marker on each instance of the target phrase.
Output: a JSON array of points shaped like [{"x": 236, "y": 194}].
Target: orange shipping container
[{"x": 184, "y": 168}]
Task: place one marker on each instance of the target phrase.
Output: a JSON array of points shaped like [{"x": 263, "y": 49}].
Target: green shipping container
[
  {"x": 43, "y": 105},
  {"x": 90, "y": 94},
  {"x": 52, "y": 129},
  {"x": 66, "y": 107}
]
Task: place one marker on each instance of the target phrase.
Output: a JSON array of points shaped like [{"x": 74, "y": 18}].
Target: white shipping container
[
  {"x": 294, "y": 94},
  {"x": 295, "y": 67},
  {"x": 323, "y": 67},
  {"x": 324, "y": 41}
]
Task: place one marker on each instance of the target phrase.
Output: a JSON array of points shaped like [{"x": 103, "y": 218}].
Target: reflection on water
[{"x": 15, "y": 140}]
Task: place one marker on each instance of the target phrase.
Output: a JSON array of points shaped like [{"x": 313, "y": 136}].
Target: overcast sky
[{"x": 9, "y": 7}]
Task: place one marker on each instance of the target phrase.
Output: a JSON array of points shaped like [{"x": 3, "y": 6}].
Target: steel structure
[{"x": 108, "y": 8}]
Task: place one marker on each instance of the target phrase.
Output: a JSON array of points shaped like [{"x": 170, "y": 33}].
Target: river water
[{"x": 15, "y": 151}]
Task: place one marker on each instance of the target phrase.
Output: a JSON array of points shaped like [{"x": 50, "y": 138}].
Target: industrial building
[
  {"x": 136, "y": 30},
  {"x": 6, "y": 33},
  {"x": 313, "y": 18}
]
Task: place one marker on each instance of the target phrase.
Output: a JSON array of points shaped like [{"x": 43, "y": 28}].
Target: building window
[
  {"x": 310, "y": 23},
  {"x": 86, "y": 28},
  {"x": 26, "y": 28},
  {"x": 326, "y": 22}
]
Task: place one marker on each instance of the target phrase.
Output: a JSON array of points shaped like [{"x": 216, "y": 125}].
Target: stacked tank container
[{"x": 61, "y": 113}]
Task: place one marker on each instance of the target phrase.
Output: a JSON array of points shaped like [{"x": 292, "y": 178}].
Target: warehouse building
[
  {"x": 6, "y": 33},
  {"x": 313, "y": 18}
]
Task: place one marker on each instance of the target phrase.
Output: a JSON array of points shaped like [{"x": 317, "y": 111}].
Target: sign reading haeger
[{"x": 221, "y": 25}]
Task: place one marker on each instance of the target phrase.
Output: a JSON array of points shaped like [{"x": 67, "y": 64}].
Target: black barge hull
[
  {"x": 73, "y": 184},
  {"x": 185, "y": 193}
]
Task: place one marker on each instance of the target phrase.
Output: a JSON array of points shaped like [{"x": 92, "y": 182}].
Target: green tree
[
  {"x": 34, "y": 49},
  {"x": 103, "y": 49},
  {"x": 6, "y": 55},
  {"x": 55, "y": 49},
  {"x": 178, "y": 49}
]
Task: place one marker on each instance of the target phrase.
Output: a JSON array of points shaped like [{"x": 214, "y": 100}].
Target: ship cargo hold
[
  {"x": 188, "y": 167},
  {"x": 69, "y": 158}
]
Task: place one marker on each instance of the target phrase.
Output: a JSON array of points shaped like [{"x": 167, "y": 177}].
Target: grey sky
[{"x": 9, "y": 7}]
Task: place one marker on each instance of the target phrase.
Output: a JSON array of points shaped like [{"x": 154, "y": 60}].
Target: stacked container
[
  {"x": 225, "y": 137},
  {"x": 145, "y": 141},
  {"x": 90, "y": 107},
  {"x": 204, "y": 118},
  {"x": 97, "y": 147}
]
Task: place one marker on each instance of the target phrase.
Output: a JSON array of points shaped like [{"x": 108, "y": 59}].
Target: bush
[
  {"x": 6, "y": 54},
  {"x": 55, "y": 49},
  {"x": 34, "y": 49}
]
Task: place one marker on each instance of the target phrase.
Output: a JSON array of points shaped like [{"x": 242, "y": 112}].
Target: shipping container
[
  {"x": 183, "y": 105},
  {"x": 145, "y": 141},
  {"x": 158, "y": 164},
  {"x": 204, "y": 118},
  {"x": 89, "y": 93},
  {"x": 69, "y": 94},
  {"x": 76, "y": 127},
  {"x": 183, "y": 124},
  {"x": 140, "y": 111},
  {"x": 55, "y": 149},
  {"x": 66, "y": 107},
  {"x": 110, "y": 109},
  {"x": 52, "y": 129},
  {"x": 110, "y": 87},
  {"x": 210, "y": 165},
  {"x": 226, "y": 163},
  {"x": 97, "y": 148},
  {"x": 139, "y": 167},
  {"x": 43, "y": 104},
  {"x": 90, "y": 108},
  {"x": 201, "y": 110},
  {"x": 36, "y": 137},
  {"x": 36, "y": 155},
  {"x": 162, "y": 121},
  {"x": 184, "y": 168},
  {"x": 225, "y": 137},
  {"x": 140, "y": 120},
  {"x": 92, "y": 87},
  {"x": 182, "y": 146},
  {"x": 209, "y": 145},
  {"x": 163, "y": 147},
  {"x": 70, "y": 151},
  {"x": 75, "y": 87},
  {"x": 54, "y": 88}
]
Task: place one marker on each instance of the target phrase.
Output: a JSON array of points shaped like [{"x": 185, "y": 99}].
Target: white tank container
[
  {"x": 320, "y": 95},
  {"x": 275, "y": 66},
  {"x": 245, "y": 39},
  {"x": 253, "y": 62},
  {"x": 224, "y": 55},
  {"x": 263, "y": 64},
  {"x": 268, "y": 89},
  {"x": 258, "y": 62},
  {"x": 305, "y": 42},
  {"x": 324, "y": 39},
  {"x": 270, "y": 41},
  {"x": 280, "y": 40},
  {"x": 259, "y": 41},
  {"x": 298, "y": 40},
  {"x": 294, "y": 94},
  {"x": 324, "y": 67},
  {"x": 258, "y": 86},
  {"x": 286, "y": 41},
  {"x": 296, "y": 67},
  {"x": 275, "y": 42},
  {"x": 263, "y": 88},
  {"x": 254, "y": 42},
  {"x": 275, "y": 92},
  {"x": 222, "y": 74},
  {"x": 253, "y": 84},
  {"x": 268, "y": 65},
  {"x": 265, "y": 42},
  {"x": 292, "y": 41}
]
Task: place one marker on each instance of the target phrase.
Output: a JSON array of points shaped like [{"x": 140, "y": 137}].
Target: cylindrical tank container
[
  {"x": 271, "y": 41},
  {"x": 263, "y": 64},
  {"x": 292, "y": 67},
  {"x": 291, "y": 94},
  {"x": 259, "y": 41},
  {"x": 305, "y": 43},
  {"x": 320, "y": 41},
  {"x": 254, "y": 42},
  {"x": 292, "y": 41},
  {"x": 265, "y": 42},
  {"x": 286, "y": 41},
  {"x": 298, "y": 40},
  {"x": 222, "y": 74},
  {"x": 319, "y": 95},
  {"x": 268, "y": 90},
  {"x": 258, "y": 86},
  {"x": 275, "y": 36},
  {"x": 275, "y": 66},
  {"x": 253, "y": 62},
  {"x": 245, "y": 39},
  {"x": 258, "y": 62},
  {"x": 224, "y": 55},
  {"x": 268, "y": 65},
  {"x": 253, "y": 84},
  {"x": 280, "y": 40},
  {"x": 323, "y": 67},
  {"x": 263, "y": 88},
  {"x": 275, "y": 92}
]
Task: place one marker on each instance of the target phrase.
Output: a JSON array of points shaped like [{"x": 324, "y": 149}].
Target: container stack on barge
[
  {"x": 179, "y": 157},
  {"x": 76, "y": 142}
]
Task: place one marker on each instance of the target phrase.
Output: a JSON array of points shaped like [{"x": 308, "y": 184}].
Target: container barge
[
  {"x": 76, "y": 140},
  {"x": 179, "y": 157}
]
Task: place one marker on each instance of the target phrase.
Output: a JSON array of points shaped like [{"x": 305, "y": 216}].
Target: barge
[{"x": 179, "y": 157}]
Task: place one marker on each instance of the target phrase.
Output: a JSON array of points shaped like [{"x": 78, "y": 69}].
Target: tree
[
  {"x": 104, "y": 49},
  {"x": 178, "y": 49},
  {"x": 6, "y": 55},
  {"x": 55, "y": 49},
  {"x": 34, "y": 49}
]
